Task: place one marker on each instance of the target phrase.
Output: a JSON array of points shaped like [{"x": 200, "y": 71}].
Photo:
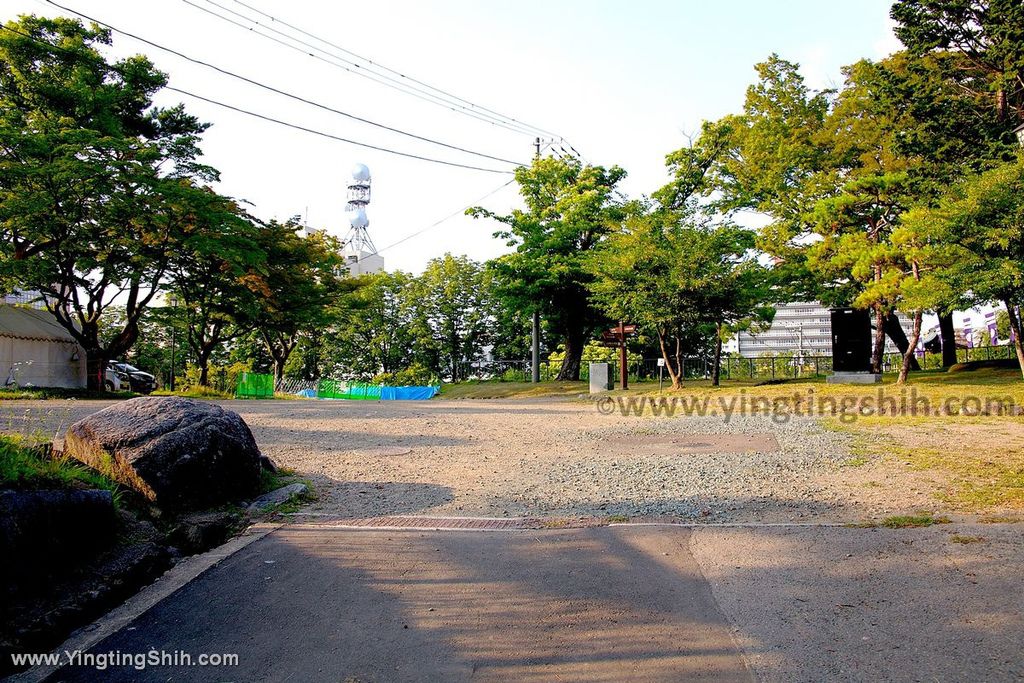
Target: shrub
[{"x": 414, "y": 375}]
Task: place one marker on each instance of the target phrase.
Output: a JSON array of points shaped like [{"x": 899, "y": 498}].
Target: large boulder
[{"x": 178, "y": 452}]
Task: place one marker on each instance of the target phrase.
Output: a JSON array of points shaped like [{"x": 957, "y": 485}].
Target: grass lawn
[
  {"x": 28, "y": 466},
  {"x": 39, "y": 393},
  {"x": 495, "y": 389}
]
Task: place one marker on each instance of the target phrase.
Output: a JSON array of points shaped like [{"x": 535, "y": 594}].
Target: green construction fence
[{"x": 254, "y": 385}]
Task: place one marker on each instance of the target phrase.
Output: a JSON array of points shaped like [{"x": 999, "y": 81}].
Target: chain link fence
[{"x": 733, "y": 367}]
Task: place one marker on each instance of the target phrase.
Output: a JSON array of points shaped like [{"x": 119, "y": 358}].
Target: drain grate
[{"x": 408, "y": 522}]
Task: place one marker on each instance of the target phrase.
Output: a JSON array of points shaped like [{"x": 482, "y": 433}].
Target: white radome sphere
[
  {"x": 358, "y": 218},
  {"x": 360, "y": 172}
]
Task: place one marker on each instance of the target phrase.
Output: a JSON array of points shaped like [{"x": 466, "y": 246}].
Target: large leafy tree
[
  {"x": 453, "y": 302},
  {"x": 836, "y": 171},
  {"x": 982, "y": 218},
  {"x": 377, "y": 334},
  {"x": 219, "y": 263},
  {"x": 980, "y": 44},
  {"x": 97, "y": 187},
  {"x": 674, "y": 277},
  {"x": 300, "y": 287},
  {"x": 570, "y": 207}
]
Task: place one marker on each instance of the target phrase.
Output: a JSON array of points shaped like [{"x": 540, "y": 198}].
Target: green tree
[
  {"x": 219, "y": 260},
  {"x": 570, "y": 207},
  {"x": 97, "y": 186},
  {"x": 377, "y": 332},
  {"x": 983, "y": 217},
  {"x": 453, "y": 300},
  {"x": 298, "y": 289},
  {"x": 673, "y": 276},
  {"x": 983, "y": 43}
]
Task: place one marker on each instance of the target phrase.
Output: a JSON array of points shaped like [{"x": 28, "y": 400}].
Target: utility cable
[{"x": 279, "y": 91}]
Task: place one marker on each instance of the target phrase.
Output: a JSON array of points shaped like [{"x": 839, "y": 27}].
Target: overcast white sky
[{"x": 622, "y": 81}]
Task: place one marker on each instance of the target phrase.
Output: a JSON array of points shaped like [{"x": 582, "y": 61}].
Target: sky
[{"x": 624, "y": 83}]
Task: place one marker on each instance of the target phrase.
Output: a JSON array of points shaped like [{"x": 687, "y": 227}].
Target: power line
[
  {"x": 281, "y": 92},
  {"x": 373, "y": 76},
  {"x": 385, "y": 68},
  {"x": 331, "y": 135},
  {"x": 450, "y": 216},
  {"x": 295, "y": 126}
]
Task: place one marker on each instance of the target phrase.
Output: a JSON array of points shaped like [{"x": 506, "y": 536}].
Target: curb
[{"x": 175, "y": 578}]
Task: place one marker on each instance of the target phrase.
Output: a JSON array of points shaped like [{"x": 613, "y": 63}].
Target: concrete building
[{"x": 803, "y": 326}]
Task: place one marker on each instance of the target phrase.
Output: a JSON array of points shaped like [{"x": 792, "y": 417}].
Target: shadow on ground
[{"x": 326, "y": 605}]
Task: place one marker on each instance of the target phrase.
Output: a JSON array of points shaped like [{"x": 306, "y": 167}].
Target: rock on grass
[{"x": 179, "y": 453}]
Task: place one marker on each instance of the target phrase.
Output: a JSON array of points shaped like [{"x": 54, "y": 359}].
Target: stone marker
[
  {"x": 600, "y": 378},
  {"x": 178, "y": 452}
]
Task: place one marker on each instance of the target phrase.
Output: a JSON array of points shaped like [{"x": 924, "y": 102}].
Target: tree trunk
[
  {"x": 203, "y": 361},
  {"x": 716, "y": 370},
  {"x": 673, "y": 372},
  {"x": 96, "y": 368},
  {"x": 570, "y": 369},
  {"x": 279, "y": 361},
  {"x": 915, "y": 335},
  {"x": 1018, "y": 342},
  {"x": 947, "y": 334},
  {"x": 878, "y": 350},
  {"x": 894, "y": 331}
]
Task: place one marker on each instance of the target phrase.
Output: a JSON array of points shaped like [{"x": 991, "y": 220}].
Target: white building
[
  {"x": 35, "y": 350},
  {"x": 800, "y": 327}
]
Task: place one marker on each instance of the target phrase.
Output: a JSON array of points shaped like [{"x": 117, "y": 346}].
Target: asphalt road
[
  {"x": 782, "y": 603},
  {"x": 306, "y": 604}
]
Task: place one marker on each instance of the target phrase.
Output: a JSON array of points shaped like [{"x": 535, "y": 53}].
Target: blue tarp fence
[
  {"x": 358, "y": 391},
  {"x": 408, "y": 393}
]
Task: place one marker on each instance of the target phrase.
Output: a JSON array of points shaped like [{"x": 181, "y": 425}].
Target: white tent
[{"x": 36, "y": 351}]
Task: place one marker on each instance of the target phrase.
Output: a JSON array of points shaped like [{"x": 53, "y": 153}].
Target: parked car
[{"x": 124, "y": 377}]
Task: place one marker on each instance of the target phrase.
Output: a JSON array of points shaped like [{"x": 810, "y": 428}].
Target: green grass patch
[
  {"x": 912, "y": 521},
  {"x": 271, "y": 481},
  {"x": 26, "y": 466},
  {"x": 498, "y": 389},
  {"x": 966, "y": 540},
  {"x": 38, "y": 394},
  {"x": 195, "y": 392},
  {"x": 297, "y": 502}
]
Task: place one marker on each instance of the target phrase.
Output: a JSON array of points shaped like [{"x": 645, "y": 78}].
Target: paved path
[
  {"x": 640, "y": 603},
  {"x": 311, "y": 604}
]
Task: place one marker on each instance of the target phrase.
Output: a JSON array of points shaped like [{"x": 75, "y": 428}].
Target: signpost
[
  {"x": 661, "y": 374},
  {"x": 616, "y": 338}
]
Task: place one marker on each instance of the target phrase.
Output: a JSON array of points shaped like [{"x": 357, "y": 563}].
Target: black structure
[{"x": 851, "y": 340}]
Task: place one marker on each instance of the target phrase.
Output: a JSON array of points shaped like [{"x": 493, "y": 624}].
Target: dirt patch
[
  {"x": 553, "y": 458},
  {"x": 697, "y": 443}
]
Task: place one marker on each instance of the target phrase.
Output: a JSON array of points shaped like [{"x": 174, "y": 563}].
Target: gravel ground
[
  {"x": 558, "y": 458},
  {"x": 827, "y": 604}
]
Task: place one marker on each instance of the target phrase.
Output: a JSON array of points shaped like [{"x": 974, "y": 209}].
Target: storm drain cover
[{"x": 703, "y": 443}]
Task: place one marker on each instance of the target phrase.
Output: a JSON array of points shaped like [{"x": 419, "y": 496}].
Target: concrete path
[
  {"x": 639, "y": 603},
  {"x": 311, "y": 604}
]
